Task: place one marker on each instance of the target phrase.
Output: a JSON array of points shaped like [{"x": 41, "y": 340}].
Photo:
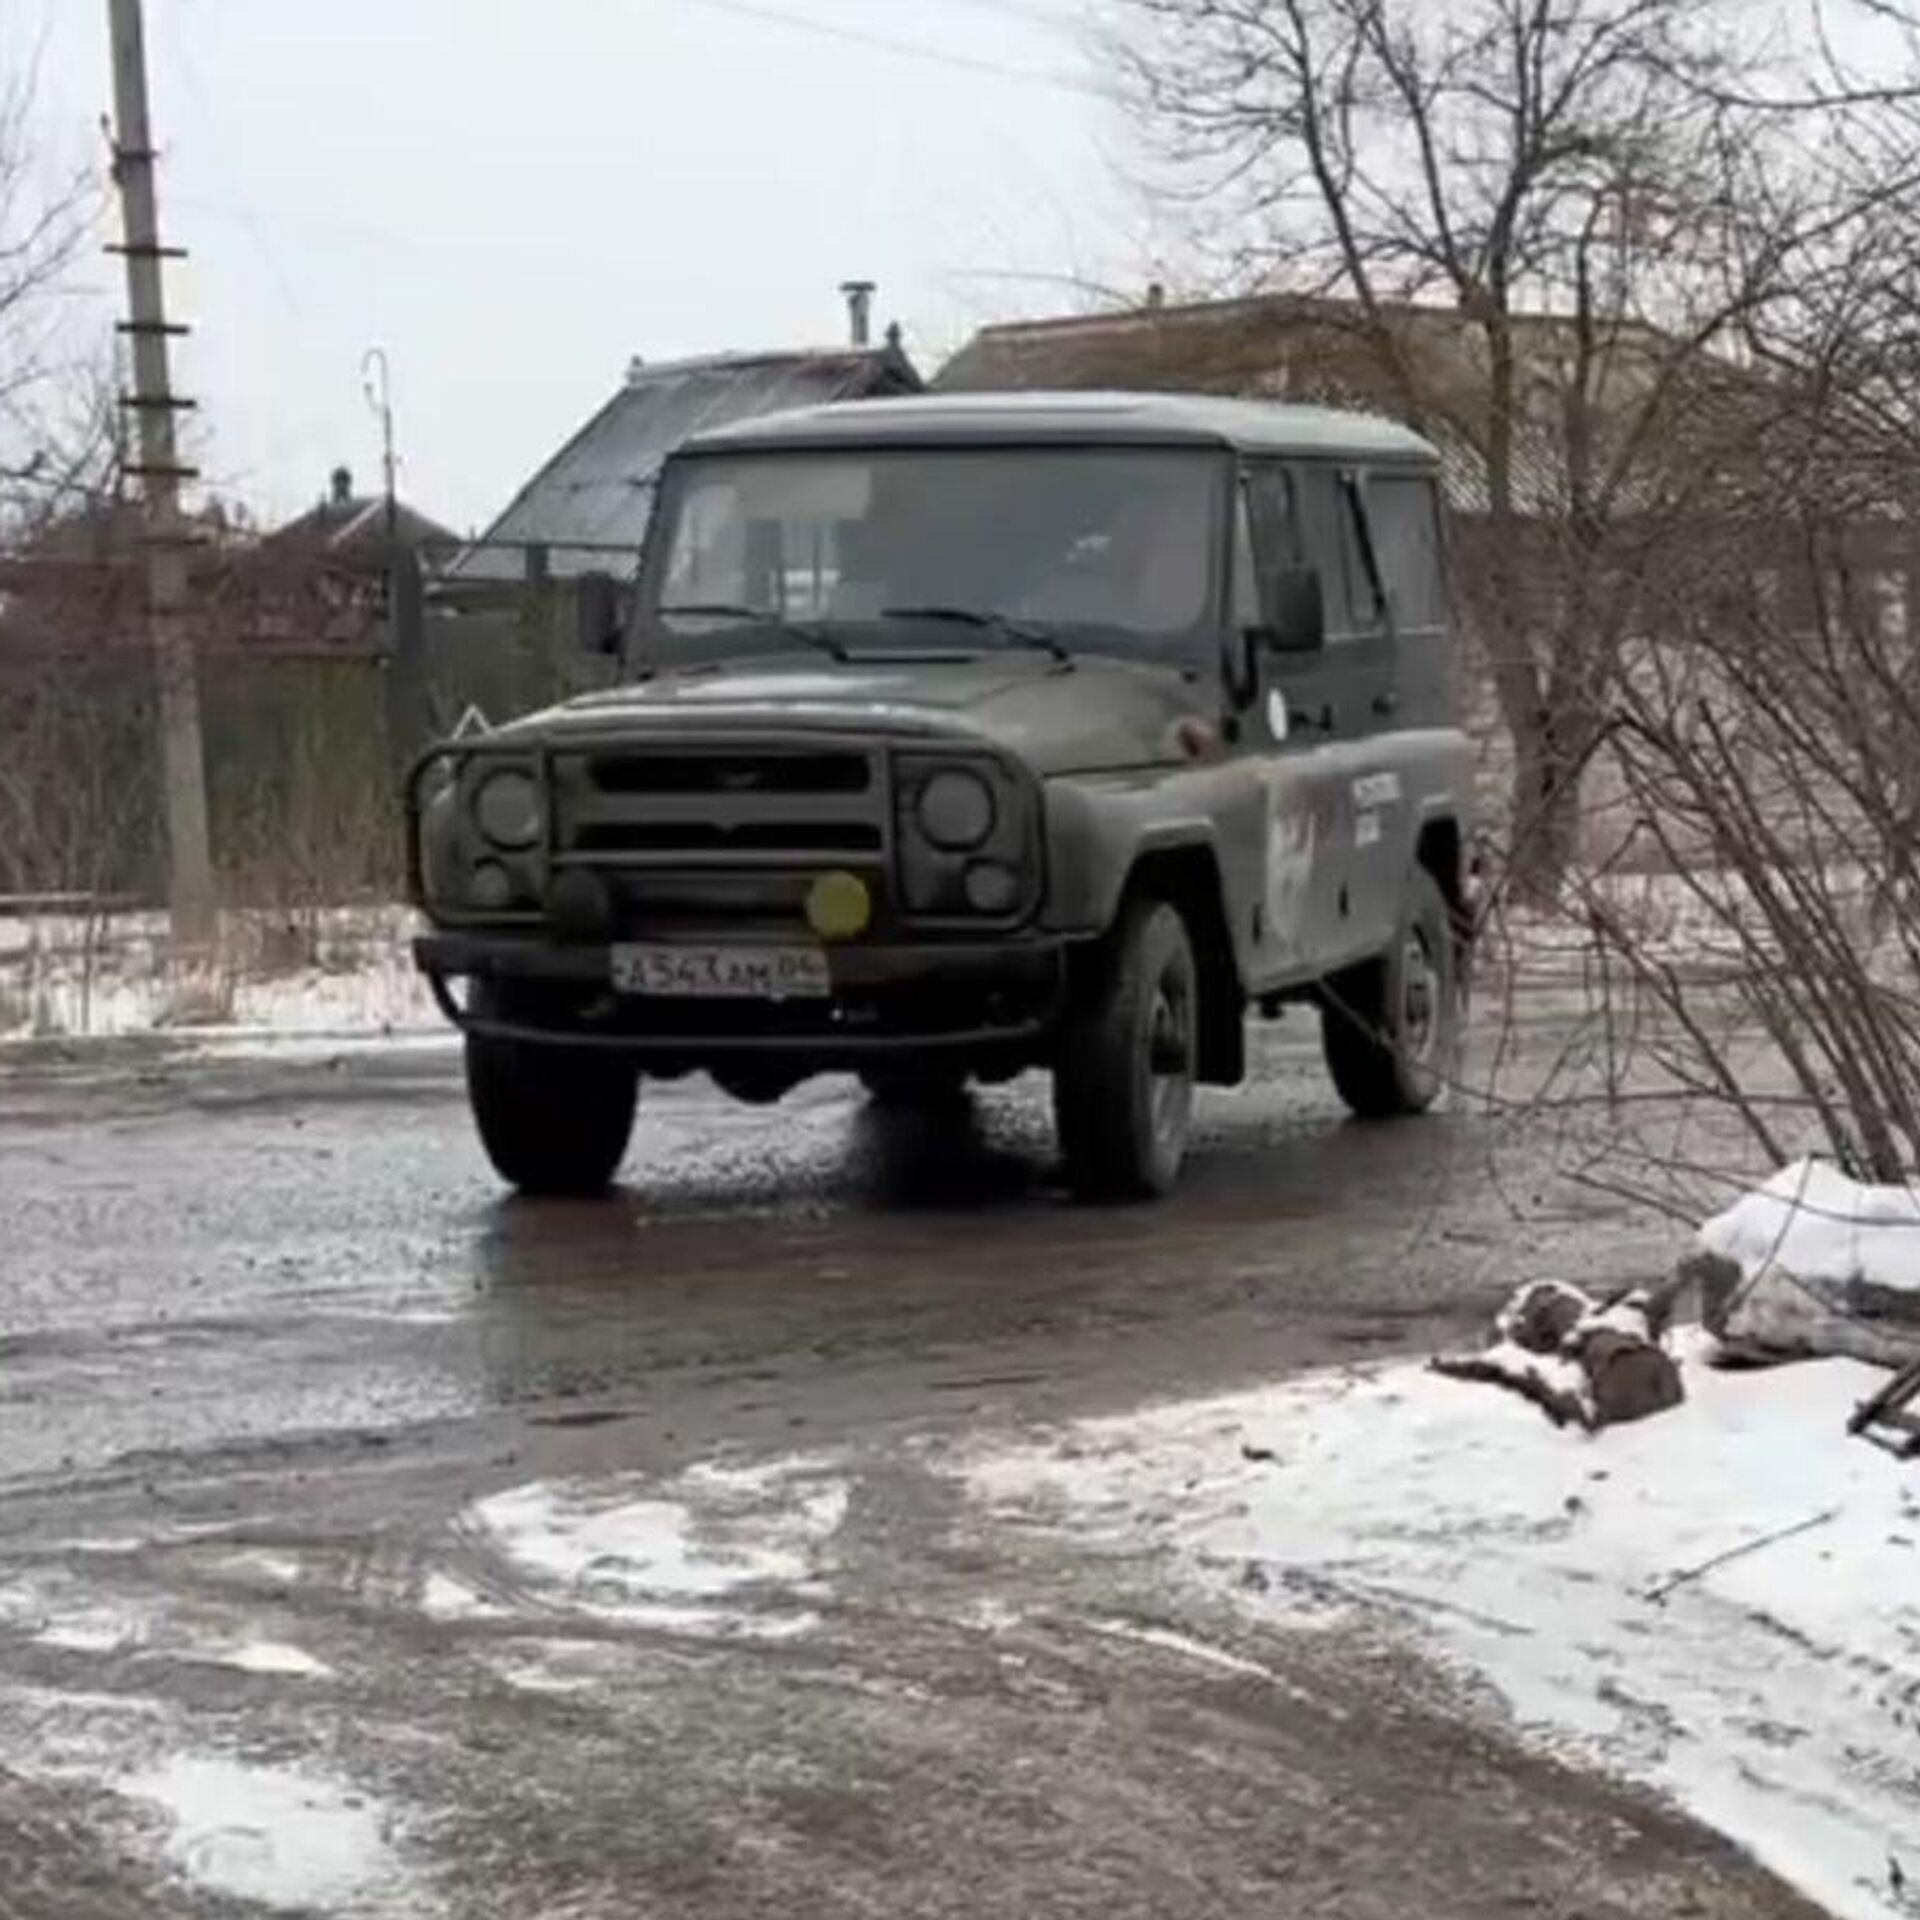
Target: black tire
[
  {"x": 555, "y": 1121},
  {"x": 915, "y": 1089},
  {"x": 1390, "y": 1027},
  {"x": 1124, "y": 1077}
]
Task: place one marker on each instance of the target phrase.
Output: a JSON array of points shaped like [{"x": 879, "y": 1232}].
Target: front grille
[
  {"x": 744, "y": 836},
  {"x": 730, "y": 771},
  {"x": 705, "y": 805}
]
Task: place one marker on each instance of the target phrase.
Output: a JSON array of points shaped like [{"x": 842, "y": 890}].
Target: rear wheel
[
  {"x": 1389, "y": 1028},
  {"x": 554, "y": 1120},
  {"x": 1123, "y": 1083}
]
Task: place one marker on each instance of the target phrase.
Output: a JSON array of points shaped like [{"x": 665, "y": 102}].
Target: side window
[
  {"x": 1246, "y": 579},
  {"x": 1274, "y": 523},
  {"x": 1326, "y": 541},
  {"x": 1405, "y": 518},
  {"x": 1366, "y": 586}
]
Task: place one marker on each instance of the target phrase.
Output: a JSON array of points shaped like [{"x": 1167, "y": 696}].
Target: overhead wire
[
  {"x": 243, "y": 210},
  {"x": 768, "y": 15}
]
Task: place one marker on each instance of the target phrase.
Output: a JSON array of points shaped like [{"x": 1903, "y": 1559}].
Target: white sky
[{"x": 514, "y": 196}]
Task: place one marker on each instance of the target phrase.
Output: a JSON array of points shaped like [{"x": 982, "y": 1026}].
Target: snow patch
[
  {"x": 273, "y": 1835},
  {"x": 350, "y": 974},
  {"x": 674, "y": 1556},
  {"x": 445, "y": 1598},
  {"x": 559, "y": 1666},
  {"x": 94, "y": 1630},
  {"x": 1189, "y": 1648},
  {"x": 258, "y": 1564},
  {"x": 273, "y": 1656},
  {"x": 1773, "y": 1696},
  {"x": 1814, "y": 1221}
]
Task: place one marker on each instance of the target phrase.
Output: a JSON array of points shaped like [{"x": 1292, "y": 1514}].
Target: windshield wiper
[
  {"x": 728, "y": 609},
  {"x": 1023, "y": 632}
]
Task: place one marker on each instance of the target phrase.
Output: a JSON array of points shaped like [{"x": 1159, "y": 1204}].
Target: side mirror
[
  {"x": 1296, "y": 611},
  {"x": 596, "y": 613}
]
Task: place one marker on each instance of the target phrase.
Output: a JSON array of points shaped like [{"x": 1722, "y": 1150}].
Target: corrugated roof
[{"x": 598, "y": 489}]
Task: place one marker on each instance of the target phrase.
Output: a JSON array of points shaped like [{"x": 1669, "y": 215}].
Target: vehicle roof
[{"x": 1076, "y": 419}]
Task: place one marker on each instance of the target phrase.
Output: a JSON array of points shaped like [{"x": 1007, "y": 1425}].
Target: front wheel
[
  {"x": 1390, "y": 1027},
  {"x": 1123, "y": 1083},
  {"x": 555, "y": 1120}
]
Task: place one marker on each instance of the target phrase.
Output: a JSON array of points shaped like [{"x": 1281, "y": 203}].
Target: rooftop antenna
[{"x": 376, "y": 382}]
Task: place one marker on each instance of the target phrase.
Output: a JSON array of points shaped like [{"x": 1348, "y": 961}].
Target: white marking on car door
[{"x": 1290, "y": 837}]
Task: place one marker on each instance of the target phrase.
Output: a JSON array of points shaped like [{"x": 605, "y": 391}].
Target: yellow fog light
[{"x": 839, "y": 906}]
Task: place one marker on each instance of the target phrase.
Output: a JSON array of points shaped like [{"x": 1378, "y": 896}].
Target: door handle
[{"x": 1385, "y": 703}]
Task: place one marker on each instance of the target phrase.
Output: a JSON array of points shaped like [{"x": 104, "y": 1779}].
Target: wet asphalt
[{"x": 274, "y": 1345}]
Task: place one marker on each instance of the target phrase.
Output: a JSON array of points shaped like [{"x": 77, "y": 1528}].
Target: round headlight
[
  {"x": 507, "y": 808},
  {"x": 956, "y": 810}
]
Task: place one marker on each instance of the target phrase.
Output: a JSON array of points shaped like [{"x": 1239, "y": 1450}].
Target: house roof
[
  {"x": 353, "y": 527},
  {"x": 590, "y": 503},
  {"x": 1132, "y": 419},
  {"x": 1314, "y": 348}
]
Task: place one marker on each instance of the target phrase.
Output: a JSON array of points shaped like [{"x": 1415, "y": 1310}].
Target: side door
[
  {"x": 1402, "y": 682},
  {"x": 1292, "y": 720}
]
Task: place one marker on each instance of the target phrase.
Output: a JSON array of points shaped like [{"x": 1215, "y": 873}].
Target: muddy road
[{"x": 373, "y": 1544}]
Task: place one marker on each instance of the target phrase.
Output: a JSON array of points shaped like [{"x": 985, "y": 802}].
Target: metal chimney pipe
[{"x": 859, "y": 296}]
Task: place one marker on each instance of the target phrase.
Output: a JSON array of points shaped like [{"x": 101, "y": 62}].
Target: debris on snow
[
  {"x": 1814, "y": 1262},
  {"x": 1581, "y": 1362},
  {"x": 1657, "y": 1594},
  {"x": 1887, "y": 1417}
]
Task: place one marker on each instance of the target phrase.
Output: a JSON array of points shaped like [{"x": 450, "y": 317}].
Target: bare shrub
[
  {"x": 201, "y": 997},
  {"x": 305, "y": 805},
  {"x": 1602, "y": 201}
]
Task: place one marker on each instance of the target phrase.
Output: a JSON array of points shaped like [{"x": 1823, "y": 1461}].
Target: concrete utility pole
[{"x": 190, "y": 892}]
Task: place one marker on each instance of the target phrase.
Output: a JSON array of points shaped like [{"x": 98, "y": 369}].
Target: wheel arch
[
  {"x": 1441, "y": 850},
  {"x": 1186, "y": 874}
]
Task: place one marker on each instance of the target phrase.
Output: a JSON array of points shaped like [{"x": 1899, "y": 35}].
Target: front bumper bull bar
[{"x": 1028, "y": 978}]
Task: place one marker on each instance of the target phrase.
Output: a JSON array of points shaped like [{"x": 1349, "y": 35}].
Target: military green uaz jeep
[{"x": 957, "y": 737}]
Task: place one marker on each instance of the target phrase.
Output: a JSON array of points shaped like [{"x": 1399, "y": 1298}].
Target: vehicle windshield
[{"x": 962, "y": 548}]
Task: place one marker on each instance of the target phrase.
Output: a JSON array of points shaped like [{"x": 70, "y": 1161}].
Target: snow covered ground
[
  {"x": 342, "y": 973},
  {"x": 1776, "y": 1696}
]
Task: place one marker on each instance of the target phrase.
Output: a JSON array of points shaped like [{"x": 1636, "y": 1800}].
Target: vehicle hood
[{"x": 1096, "y": 714}]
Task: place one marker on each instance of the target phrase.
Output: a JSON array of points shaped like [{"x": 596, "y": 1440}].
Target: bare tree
[
  {"x": 1603, "y": 199},
  {"x": 45, "y": 220}
]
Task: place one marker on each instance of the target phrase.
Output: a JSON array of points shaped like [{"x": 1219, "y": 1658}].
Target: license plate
[{"x": 722, "y": 973}]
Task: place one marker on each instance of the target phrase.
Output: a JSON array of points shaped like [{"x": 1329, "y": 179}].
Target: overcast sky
[{"x": 514, "y": 196}]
